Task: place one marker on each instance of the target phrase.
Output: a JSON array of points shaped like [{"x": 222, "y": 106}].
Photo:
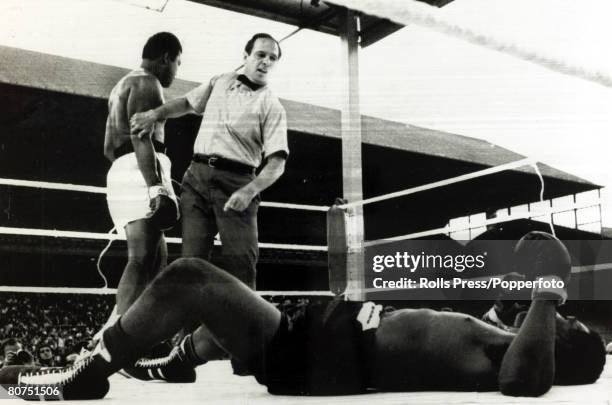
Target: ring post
[{"x": 351, "y": 156}]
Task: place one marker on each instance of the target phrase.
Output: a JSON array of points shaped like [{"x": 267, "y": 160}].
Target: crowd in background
[{"x": 51, "y": 329}]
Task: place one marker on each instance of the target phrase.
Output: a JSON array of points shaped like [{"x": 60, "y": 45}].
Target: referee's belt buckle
[{"x": 219, "y": 162}]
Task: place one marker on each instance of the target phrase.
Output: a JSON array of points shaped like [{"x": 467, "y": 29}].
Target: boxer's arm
[
  {"x": 528, "y": 367},
  {"x": 145, "y": 94},
  {"x": 241, "y": 198},
  {"x": 109, "y": 150}
]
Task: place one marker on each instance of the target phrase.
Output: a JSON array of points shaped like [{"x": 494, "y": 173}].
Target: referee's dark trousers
[{"x": 205, "y": 190}]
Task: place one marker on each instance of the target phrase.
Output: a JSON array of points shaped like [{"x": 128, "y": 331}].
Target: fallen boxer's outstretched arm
[{"x": 528, "y": 367}]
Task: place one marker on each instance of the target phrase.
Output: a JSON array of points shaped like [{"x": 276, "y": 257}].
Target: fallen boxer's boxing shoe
[
  {"x": 82, "y": 380},
  {"x": 172, "y": 368}
]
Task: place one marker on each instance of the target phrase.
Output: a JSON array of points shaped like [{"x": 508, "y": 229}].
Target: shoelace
[
  {"x": 55, "y": 376},
  {"x": 160, "y": 361}
]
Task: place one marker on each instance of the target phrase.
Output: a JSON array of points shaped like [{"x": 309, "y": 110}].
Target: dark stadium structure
[
  {"x": 52, "y": 130},
  {"x": 322, "y": 16}
]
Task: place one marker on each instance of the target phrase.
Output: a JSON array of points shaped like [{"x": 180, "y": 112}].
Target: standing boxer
[{"x": 140, "y": 197}]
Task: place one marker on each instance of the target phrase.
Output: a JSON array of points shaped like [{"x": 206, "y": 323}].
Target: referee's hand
[
  {"x": 239, "y": 200},
  {"x": 143, "y": 123}
]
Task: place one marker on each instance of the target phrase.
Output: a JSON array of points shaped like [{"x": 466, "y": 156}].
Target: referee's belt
[
  {"x": 223, "y": 164},
  {"x": 129, "y": 148}
]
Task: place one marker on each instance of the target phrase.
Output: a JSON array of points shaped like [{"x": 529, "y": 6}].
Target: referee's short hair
[{"x": 249, "y": 45}]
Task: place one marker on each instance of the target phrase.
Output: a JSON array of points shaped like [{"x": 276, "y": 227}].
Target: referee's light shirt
[{"x": 238, "y": 123}]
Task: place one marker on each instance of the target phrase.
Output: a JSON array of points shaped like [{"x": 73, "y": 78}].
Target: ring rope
[
  {"x": 443, "y": 230},
  {"x": 412, "y": 12},
  {"x": 53, "y": 186},
  {"x": 106, "y": 290},
  {"x": 436, "y": 184},
  {"x": 112, "y": 291},
  {"x": 107, "y": 236},
  {"x": 294, "y": 206},
  {"x": 542, "y": 186},
  {"x": 101, "y": 255},
  {"x": 448, "y": 229},
  {"x": 102, "y": 190}
]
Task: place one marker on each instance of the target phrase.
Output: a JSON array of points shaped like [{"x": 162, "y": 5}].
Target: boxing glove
[
  {"x": 544, "y": 259},
  {"x": 164, "y": 211}
]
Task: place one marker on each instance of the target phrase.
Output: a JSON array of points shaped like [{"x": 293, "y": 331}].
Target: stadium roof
[{"x": 55, "y": 113}]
